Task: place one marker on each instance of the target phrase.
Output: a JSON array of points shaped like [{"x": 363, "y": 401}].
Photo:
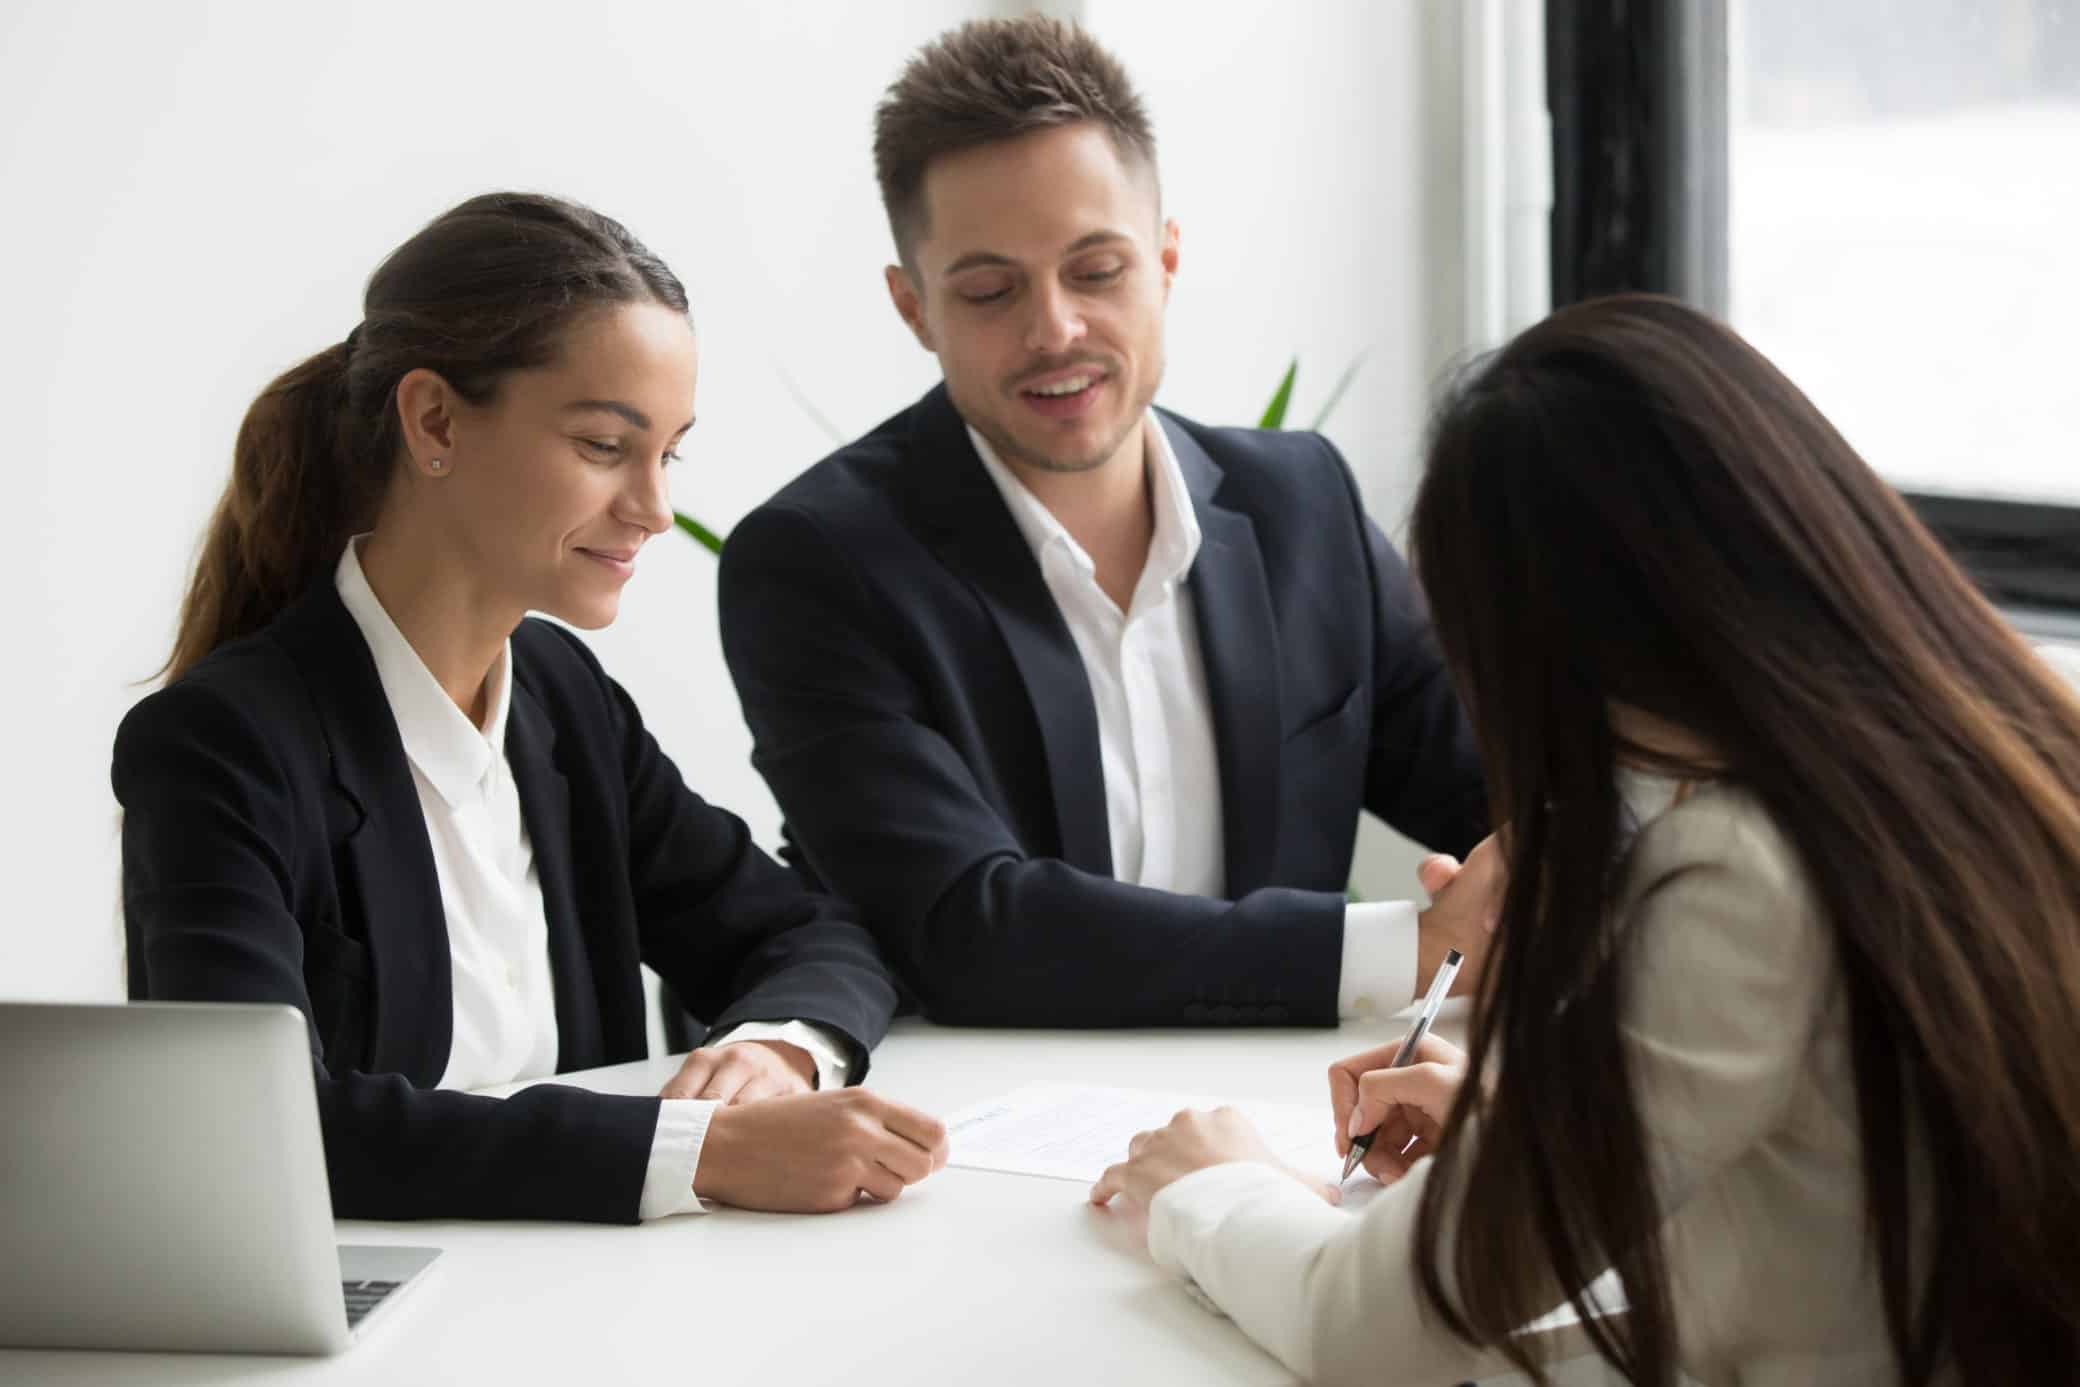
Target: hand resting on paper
[
  {"x": 1192, "y": 1141},
  {"x": 1407, "y": 1105},
  {"x": 816, "y": 1153}
]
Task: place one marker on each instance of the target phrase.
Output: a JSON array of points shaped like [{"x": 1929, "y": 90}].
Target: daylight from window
[{"x": 1905, "y": 229}]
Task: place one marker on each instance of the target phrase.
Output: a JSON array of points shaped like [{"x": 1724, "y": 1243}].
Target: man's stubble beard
[{"x": 1009, "y": 450}]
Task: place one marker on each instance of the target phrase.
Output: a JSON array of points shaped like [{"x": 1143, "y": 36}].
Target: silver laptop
[{"x": 162, "y": 1186}]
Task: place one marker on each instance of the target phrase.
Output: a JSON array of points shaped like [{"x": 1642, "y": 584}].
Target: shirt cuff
[
  {"x": 1379, "y": 960},
  {"x": 1186, "y": 1212},
  {"x": 833, "y": 1069},
  {"x": 675, "y": 1153}
]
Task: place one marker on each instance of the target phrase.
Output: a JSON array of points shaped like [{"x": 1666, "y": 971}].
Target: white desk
[{"x": 969, "y": 1278}]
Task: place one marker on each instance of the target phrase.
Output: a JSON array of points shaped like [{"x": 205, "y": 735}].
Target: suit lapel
[
  {"x": 380, "y": 840},
  {"x": 545, "y": 804},
  {"x": 974, "y": 535},
  {"x": 1239, "y": 641}
]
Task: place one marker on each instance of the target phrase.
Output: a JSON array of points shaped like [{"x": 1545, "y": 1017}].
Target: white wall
[
  {"x": 1311, "y": 156},
  {"x": 194, "y": 194}
]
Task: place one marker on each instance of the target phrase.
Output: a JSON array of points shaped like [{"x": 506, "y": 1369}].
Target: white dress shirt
[
  {"x": 1155, "y": 720},
  {"x": 491, "y": 897}
]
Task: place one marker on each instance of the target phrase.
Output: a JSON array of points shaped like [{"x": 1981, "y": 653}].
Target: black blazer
[
  {"x": 922, "y": 715},
  {"x": 274, "y": 850}
]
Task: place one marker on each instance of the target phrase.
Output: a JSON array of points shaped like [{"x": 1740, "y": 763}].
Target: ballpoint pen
[{"x": 1439, "y": 986}]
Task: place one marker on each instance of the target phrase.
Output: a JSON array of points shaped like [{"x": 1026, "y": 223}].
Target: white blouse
[{"x": 491, "y": 896}]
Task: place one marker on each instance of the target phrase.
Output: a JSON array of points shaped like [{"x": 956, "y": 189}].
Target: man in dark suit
[{"x": 1076, "y": 699}]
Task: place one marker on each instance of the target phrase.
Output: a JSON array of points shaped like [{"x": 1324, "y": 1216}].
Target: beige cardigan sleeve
[{"x": 1728, "y": 968}]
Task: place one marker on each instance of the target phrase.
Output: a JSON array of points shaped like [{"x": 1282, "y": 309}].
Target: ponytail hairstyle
[{"x": 488, "y": 287}]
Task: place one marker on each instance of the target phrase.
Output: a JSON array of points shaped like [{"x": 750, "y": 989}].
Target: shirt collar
[
  {"x": 1171, "y": 548},
  {"x": 451, "y": 752},
  {"x": 1644, "y": 796}
]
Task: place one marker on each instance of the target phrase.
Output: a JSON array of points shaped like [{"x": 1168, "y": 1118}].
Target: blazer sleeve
[
  {"x": 213, "y": 834},
  {"x": 737, "y": 934},
  {"x": 892, "y": 818},
  {"x": 1729, "y": 970},
  {"x": 1422, "y": 769}
]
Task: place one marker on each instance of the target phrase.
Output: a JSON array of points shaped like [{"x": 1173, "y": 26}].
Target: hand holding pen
[{"x": 1397, "y": 1096}]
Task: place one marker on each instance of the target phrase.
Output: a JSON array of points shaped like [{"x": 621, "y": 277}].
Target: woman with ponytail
[
  {"x": 375, "y": 790},
  {"x": 1778, "y": 1021}
]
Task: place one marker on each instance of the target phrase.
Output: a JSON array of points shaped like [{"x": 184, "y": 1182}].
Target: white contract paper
[{"x": 1074, "y": 1131}]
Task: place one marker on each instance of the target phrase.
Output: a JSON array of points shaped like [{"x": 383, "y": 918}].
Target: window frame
[{"x": 1641, "y": 131}]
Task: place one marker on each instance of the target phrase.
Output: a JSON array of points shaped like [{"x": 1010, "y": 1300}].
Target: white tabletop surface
[{"x": 971, "y": 1277}]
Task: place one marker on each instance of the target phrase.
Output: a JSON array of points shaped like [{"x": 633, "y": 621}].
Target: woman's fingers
[
  {"x": 760, "y": 1088},
  {"x": 1407, "y": 1131},
  {"x": 921, "y": 1129},
  {"x": 1387, "y": 1164},
  {"x": 884, "y": 1184},
  {"x": 728, "y": 1079},
  {"x": 1343, "y": 1096},
  {"x": 1343, "y": 1086},
  {"x": 693, "y": 1075},
  {"x": 903, "y": 1158},
  {"x": 1429, "y": 1050},
  {"x": 1393, "y": 1147},
  {"x": 1428, "y": 1088}
]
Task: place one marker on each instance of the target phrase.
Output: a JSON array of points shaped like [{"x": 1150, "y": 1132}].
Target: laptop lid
[{"x": 162, "y": 1181}]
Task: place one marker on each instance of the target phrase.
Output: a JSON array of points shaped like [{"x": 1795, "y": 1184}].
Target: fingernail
[{"x": 1353, "y": 1127}]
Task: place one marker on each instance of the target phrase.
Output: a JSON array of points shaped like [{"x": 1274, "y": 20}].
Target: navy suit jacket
[
  {"x": 274, "y": 850},
  {"x": 921, "y": 714}
]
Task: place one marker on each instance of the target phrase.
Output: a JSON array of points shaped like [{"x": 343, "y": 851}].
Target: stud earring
[{"x": 437, "y": 464}]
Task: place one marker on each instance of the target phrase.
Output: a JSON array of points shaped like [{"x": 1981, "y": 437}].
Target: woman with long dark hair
[
  {"x": 1778, "y": 1023},
  {"x": 375, "y": 790}
]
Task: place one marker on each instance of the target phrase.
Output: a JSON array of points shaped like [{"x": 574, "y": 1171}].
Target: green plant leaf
[
  {"x": 801, "y": 397},
  {"x": 702, "y": 535},
  {"x": 1343, "y": 383},
  {"x": 1275, "y": 412}
]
